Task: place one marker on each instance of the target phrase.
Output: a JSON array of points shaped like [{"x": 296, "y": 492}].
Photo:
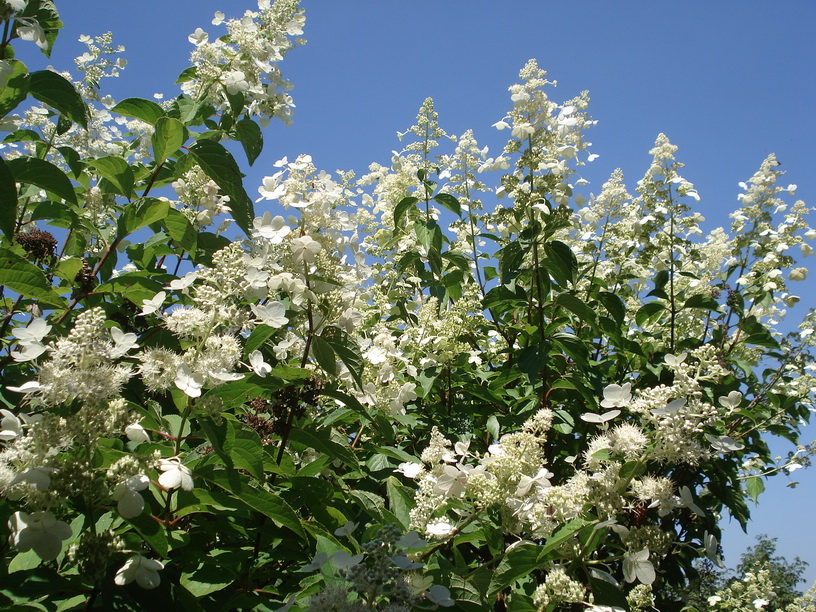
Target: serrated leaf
[
  {"x": 16, "y": 88},
  {"x": 135, "y": 286},
  {"x": 346, "y": 350},
  {"x": 23, "y": 136},
  {"x": 251, "y": 138},
  {"x": 167, "y": 138},
  {"x": 607, "y": 594},
  {"x": 493, "y": 427},
  {"x": 516, "y": 564},
  {"x": 754, "y": 486},
  {"x": 188, "y": 74},
  {"x": 565, "y": 533},
  {"x": 403, "y": 206},
  {"x": 560, "y": 262},
  {"x": 245, "y": 449},
  {"x": 318, "y": 439},
  {"x": 116, "y": 171},
  {"x": 57, "y": 92},
  {"x": 181, "y": 230},
  {"x": 649, "y": 313},
  {"x": 42, "y": 174},
  {"x": 400, "y": 500},
  {"x": 614, "y": 305},
  {"x": 152, "y": 532},
  {"x": 324, "y": 355},
  {"x": 219, "y": 165},
  {"x": 259, "y": 335},
  {"x": 370, "y": 502},
  {"x": 464, "y": 591},
  {"x": 45, "y": 14},
  {"x": 702, "y": 300},
  {"x": 267, "y": 503},
  {"x": 8, "y": 200},
  {"x": 208, "y": 578},
  {"x": 450, "y": 202},
  {"x": 27, "y": 280},
  {"x": 576, "y": 306},
  {"x": 140, "y": 214},
  {"x": 138, "y": 108}
]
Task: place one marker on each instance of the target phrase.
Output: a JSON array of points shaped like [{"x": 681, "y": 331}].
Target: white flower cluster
[
  {"x": 80, "y": 366},
  {"x": 245, "y": 61},
  {"x": 199, "y": 198}
]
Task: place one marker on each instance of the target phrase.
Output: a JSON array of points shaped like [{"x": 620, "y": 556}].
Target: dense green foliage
[{"x": 452, "y": 382}]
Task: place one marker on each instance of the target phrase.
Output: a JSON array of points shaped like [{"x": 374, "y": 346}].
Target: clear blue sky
[{"x": 728, "y": 81}]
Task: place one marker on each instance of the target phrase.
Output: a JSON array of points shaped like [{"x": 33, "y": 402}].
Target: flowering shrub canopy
[{"x": 451, "y": 381}]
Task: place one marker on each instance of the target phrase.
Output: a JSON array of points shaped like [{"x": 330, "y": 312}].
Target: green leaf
[
  {"x": 754, "y": 486},
  {"x": 181, "y": 230},
  {"x": 23, "y": 135},
  {"x": 614, "y": 305},
  {"x": 371, "y": 503},
  {"x": 404, "y": 205},
  {"x": 188, "y": 111},
  {"x": 347, "y": 350},
  {"x": 16, "y": 88},
  {"x": 250, "y": 137},
  {"x": 449, "y": 202},
  {"x": 27, "y": 586},
  {"x": 220, "y": 166},
  {"x": 463, "y": 591},
  {"x": 400, "y": 500},
  {"x": 135, "y": 286},
  {"x": 702, "y": 300},
  {"x": 57, "y": 92},
  {"x": 138, "y": 108},
  {"x": 207, "y": 578},
  {"x": 660, "y": 281},
  {"x": 324, "y": 354},
  {"x": 116, "y": 171},
  {"x": 267, "y": 503},
  {"x": 493, "y": 427},
  {"x": 649, "y": 313},
  {"x": 188, "y": 74},
  {"x": 152, "y": 532},
  {"x": 26, "y": 279},
  {"x": 140, "y": 214},
  {"x": 319, "y": 440},
  {"x": 42, "y": 174},
  {"x": 576, "y": 306},
  {"x": 566, "y": 532},
  {"x": 24, "y": 561},
  {"x": 8, "y": 200},
  {"x": 259, "y": 335},
  {"x": 560, "y": 262},
  {"x": 168, "y": 136},
  {"x": 606, "y": 593},
  {"x": 245, "y": 449},
  {"x": 516, "y": 564}
]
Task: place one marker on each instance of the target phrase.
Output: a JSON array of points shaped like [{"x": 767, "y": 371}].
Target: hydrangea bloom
[
  {"x": 141, "y": 569},
  {"x": 40, "y": 532}
]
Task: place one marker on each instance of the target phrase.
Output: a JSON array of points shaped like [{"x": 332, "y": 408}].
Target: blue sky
[{"x": 729, "y": 82}]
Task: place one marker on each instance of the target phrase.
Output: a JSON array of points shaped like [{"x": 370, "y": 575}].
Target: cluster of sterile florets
[
  {"x": 512, "y": 473},
  {"x": 244, "y": 62},
  {"x": 98, "y": 62},
  {"x": 550, "y": 139},
  {"x": 82, "y": 366},
  {"x": 199, "y": 197}
]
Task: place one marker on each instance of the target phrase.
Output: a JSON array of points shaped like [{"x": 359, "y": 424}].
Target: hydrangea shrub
[{"x": 454, "y": 381}]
